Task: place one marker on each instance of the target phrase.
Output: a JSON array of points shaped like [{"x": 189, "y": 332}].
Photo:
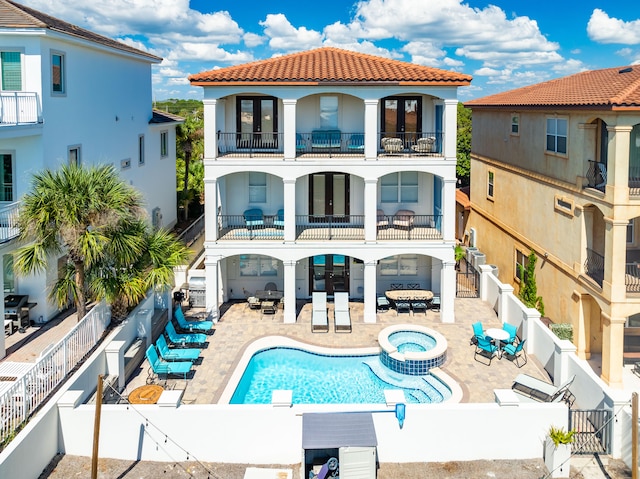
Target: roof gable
[
  {"x": 610, "y": 88},
  {"x": 330, "y": 65},
  {"x": 15, "y": 15}
]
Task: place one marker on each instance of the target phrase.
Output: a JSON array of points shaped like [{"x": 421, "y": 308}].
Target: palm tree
[{"x": 189, "y": 136}]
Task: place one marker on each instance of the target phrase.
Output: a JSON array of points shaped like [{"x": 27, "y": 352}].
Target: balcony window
[
  {"x": 10, "y": 71},
  {"x": 399, "y": 187},
  {"x": 328, "y": 112},
  {"x": 7, "y": 176},
  {"x": 257, "y": 187},
  {"x": 58, "y": 83},
  {"x": 557, "y": 135}
]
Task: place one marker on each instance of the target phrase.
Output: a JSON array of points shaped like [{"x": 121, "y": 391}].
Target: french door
[
  {"x": 329, "y": 196},
  {"x": 329, "y": 273},
  {"x": 257, "y": 122},
  {"x": 402, "y": 118}
]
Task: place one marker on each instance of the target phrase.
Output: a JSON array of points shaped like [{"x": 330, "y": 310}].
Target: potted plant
[
  {"x": 458, "y": 254},
  {"x": 557, "y": 451}
]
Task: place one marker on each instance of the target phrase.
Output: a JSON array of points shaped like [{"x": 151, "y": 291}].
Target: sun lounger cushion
[
  {"x": 341, "y": 312},
  {"x": 319, "y": 319},
  {"x": 538, "y": 389},
  {"x": 197, "y": 326}
]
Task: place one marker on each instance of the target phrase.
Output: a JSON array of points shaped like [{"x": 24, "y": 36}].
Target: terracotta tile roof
[
  {"x": 331, "y": 65},
  {"x": 14, "y": 15},
  {"x": 462, "y": 197},
  {"x": 160, "y": 116},
  {"x": 610, "y": 88}
]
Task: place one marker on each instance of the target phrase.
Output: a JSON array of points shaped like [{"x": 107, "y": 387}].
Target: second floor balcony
[
  {"x": 19, "y": 108},
  {"x": 9, "y": 221}
]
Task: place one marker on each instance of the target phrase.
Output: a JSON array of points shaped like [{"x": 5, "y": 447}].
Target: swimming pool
[{"x": 329, "y": 379}]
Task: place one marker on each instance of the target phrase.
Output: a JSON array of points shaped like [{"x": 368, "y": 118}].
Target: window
[
  {"x": 564, "y": 205},
  {"x": 402, "y": 265},
  {"x": 328, "y": 112},
  {"x": 399, "y": 187},
  {"x": 515, "y": 124},
  {"x": 57, "y": 73},
  {"x": 257, "y": 265},
  {"x": 6, "y": 173},
  {"x": 630, "y": 232},
  {"x": 257, "y": 187},
  {"x": 7, "y": 273},
  {"x": 522, "y": 261},
  {"x": 141, "y": 149},
  {"x": 164, "y": 144},
  {"x": 557, "y": 135},
  {"x": 10, "y": 71},
  {"x": 74, "y": 155},
  {"x": 490, "y": 178}
]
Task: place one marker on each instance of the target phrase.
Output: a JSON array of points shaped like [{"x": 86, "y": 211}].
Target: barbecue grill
[{"x": 16, "y": 309}]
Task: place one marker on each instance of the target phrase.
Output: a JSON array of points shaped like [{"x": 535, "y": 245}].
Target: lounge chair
[
  {"x": 341, "y": 313},
  {"x": 319, "y": 319},
  {"x": 253, "y": 218},
  {"x": 434, "y": 304},
  {"x": 403, "y": 219},
  {"x": 530, "y": 389},
  {"x": 382, "y": 303},
  {"x": 166, "y": 368},
  {"x": 515, "y": 353},
  {"x": 485, "y": 350},
  {"x": 176, "y": 354},
  {"x": 478, "y": 332},
  {"x": 191, "y": 326},
  {"x": 182, "y": 339}
]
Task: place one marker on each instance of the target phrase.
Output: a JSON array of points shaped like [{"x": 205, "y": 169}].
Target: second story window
[
  {"x": 557, "y": 135},
  {"x": 522, "y": 261},
  {"x": 10, "y": 71},
  {"x": 399, "y": 187},
  {"x": 141, "y": 149},
  {"x": 515, "y": 124},
  {"x": 490, "y": 180},
  {"x": 257, "y": 187},
  {"x": 164, "y": 144},
  {"x": 57, "y": 73},
  {"x": 6, "y": 164},
  {"x": 328, "y": 112}
]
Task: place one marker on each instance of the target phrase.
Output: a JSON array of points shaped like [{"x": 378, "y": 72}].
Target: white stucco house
[
  {"x": 70, "y": 95},
  {"x": 329, "y": 170}
]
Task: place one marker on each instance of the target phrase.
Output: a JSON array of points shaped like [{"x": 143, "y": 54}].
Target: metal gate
[
  {"x": 592, "y": 431},
  {"x": 467, "y": 281}
]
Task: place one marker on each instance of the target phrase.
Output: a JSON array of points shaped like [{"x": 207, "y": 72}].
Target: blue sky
[{"x": 503, "y": 44}]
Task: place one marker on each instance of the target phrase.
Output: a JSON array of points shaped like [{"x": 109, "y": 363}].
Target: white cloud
[
  {"x": 284, "y": 36},
  {"x": 569, "y": 67},
  {"x": 253, "y": 39},
  {"x": 604, "y": 29}
]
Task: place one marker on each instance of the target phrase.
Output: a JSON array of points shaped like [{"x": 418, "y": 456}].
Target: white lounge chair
[
  {"x": 530, "y": 389},
  {"x": 341, "y": 312},
  {"x": 319, "y": 319}
]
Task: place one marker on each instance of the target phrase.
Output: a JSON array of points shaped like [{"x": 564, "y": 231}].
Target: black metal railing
[
  {"x": 193, "y": 232},
  {"x": 329, "y": 143},
  {"x": 592, "y": 431},
  {"x": 632, "y": 277},
  {"x": 403, "y": 227},
  {"x": 250, "y": 144},
  {"x": 594, "y": 266},
  {"x": 238, "y": 227},
  {"x": 410, "y": 143},
  {"x": 330, "y": 227},
  {"x": 634, "y": 180},
  {"x": 597, "y": 175}
]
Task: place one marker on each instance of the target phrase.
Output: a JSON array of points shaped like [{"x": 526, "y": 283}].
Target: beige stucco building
[{"x": 555, "y": 168}]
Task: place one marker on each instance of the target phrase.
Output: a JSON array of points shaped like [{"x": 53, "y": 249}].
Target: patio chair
[
  {"x": 395, "y": 286},
  {"x": 382, "y": 220},
  {"x": 403, "y": 219},
  {"x": 513, "y": 336},
  {"x": 253, "y": 218},
  {"x": 278, "y": 221},
  {"x": 191, "y": 326},
  {"x": 176, "y": 354},
  {"x": 514, "y": 353},
  {"x": 419, "y": 305},
  {"x": 341, "y": 313},
  {"x": 478, "y": 332},
  {"x": 424, "y": 145},
  {"x": 530, "y": 389},
  {"x": 403, "y": 305},
  {"x": 392, "y": 145},
  {"x": 319, "y": 319},
  {"x": 270, "y": 287},
  {"x": 413, "y": 285},
  {"x": 356, "y": 142},
  {"x": 434, "y": 304},
  {"x": 182, "y": 339},
  {"x": 159, "y": 366},
  {"x": 252, "y": 301},
  {"x": 485, "y": 349},
  {"x": 382, "y": 303}
]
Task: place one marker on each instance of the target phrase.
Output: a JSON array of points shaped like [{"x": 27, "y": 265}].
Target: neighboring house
[
  {"x": 329, "y": 170},
  {"x": 555, "y": 168},
  {"x": 70, "y": 95}
]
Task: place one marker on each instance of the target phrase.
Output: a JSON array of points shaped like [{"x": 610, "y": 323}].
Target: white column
[
  {"x": 448, "y": 291},
  {"x": 450, "y": 128},
  {"x": 210, "y": 207},
  {"x": 289, "y": 209},
  {"x": 370, "y": 129},
  {"x": 289, "y": 291},
  {"x": 370, "y": 295},
  {"x": 210, "y": 129},
  {"x": 370, "y": 209},
  {"x": 449, "y": 209},
  {"x": 212, "y": 284},
  {"x": 289, "y": 124}
]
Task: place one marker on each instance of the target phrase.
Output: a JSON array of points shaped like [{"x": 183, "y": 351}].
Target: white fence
[{"x": 19, "y": 107}]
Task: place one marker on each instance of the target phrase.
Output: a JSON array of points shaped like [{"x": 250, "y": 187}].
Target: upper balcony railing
[
  {"x": 597, "y": 175},
  {"x": 632, "y": 277},
  {"x": 19, "y": 108},
  {"x": 594, "y": 266},
  {"x": 9, "y": 221},
  {"x": 634, "y": 180},
  {"x": 328, "y": 143}
]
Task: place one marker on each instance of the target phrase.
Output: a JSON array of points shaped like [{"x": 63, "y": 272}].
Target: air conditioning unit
[
  {"x": 470, "y": 251},
  {"x": 478, "y": 259},
  {"x": 156, "y": 218},
  {"x": 473, "y": 236}
]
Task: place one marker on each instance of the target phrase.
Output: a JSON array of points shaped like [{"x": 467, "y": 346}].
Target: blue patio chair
[
  {"x": 160, "y": 367},
  {"x": 478, "y": 332},
  {"x": 419, "y": 306},
  {"x": 382, "y": 303},
  {"x": 515, "y": 353},
  {"x": 403, "y": 305},
  {"x": 278, "y": 221},
  {"x": 356, "y": 142},
  {"x": 485, "y": 349},
  {"x": 191, "y": 326},
  {"x": 176, "y": 354},
  {"x": 253, "y": 218},
  {"x": 182, "y": 339},
  {"x": 512, "y": 330}
]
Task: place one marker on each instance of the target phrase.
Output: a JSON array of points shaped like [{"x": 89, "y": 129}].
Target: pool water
[
  {"x": 321, "y": 379},
  {"x": 412, "y": 341}
]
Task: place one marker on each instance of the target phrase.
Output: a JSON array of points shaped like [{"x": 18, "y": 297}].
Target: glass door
[
  {"x": 256, "y": 123},
  {"x": 402, "y": 118},
  {"x": 328, "y": 197},
  {"x": 329, "y": 273}
]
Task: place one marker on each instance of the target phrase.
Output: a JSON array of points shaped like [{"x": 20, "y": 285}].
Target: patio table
[
  {"x": 269, "y": 295},
  {"x": 498, "y": 334},
  {"x": 409, "y": 294},
  {"x": 147, "y": 394}
]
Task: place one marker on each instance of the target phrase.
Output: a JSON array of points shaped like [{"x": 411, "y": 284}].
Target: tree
[
  {"x": 189, "y": 137},
  {"x": 463, "y": 167},
  {"x": 528, "y": 293}
]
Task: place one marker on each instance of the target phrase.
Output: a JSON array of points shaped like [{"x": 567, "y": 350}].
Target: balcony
[
  {"x": 594, "y": 266},
  {"x": 597, "y": 175},
  {"x": 634, "y": 180},
  {"x": 632, "y": 277},
  {"x": 19, "y": 108},
  {"x": 410, "y": 144},
  {"x": 250, "y": 145},
  {"x": 9, "y": 222}
]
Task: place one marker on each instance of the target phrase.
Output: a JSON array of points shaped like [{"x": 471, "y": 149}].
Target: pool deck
[{"x": 239, "y": 326}]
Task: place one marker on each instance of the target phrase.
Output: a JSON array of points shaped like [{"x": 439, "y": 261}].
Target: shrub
[
  {"x": 560, "y": 436},
  {"x": 563, "y": 330}
]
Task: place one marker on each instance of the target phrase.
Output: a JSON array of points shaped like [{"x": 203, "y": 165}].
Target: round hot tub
[{"x": 411, "y": 349}]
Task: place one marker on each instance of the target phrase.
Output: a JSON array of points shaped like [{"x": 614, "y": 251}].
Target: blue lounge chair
[
  {"x": 182, "y": 339},
  {"x": 161, "y": 367},
  {"x": 191, "y": 326},
  {"x": 514, "y": 353},
  {"x": 478, "y": 332},
  {"x": 176, "y": 354},
  {"x": 485, "y": 350}
]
